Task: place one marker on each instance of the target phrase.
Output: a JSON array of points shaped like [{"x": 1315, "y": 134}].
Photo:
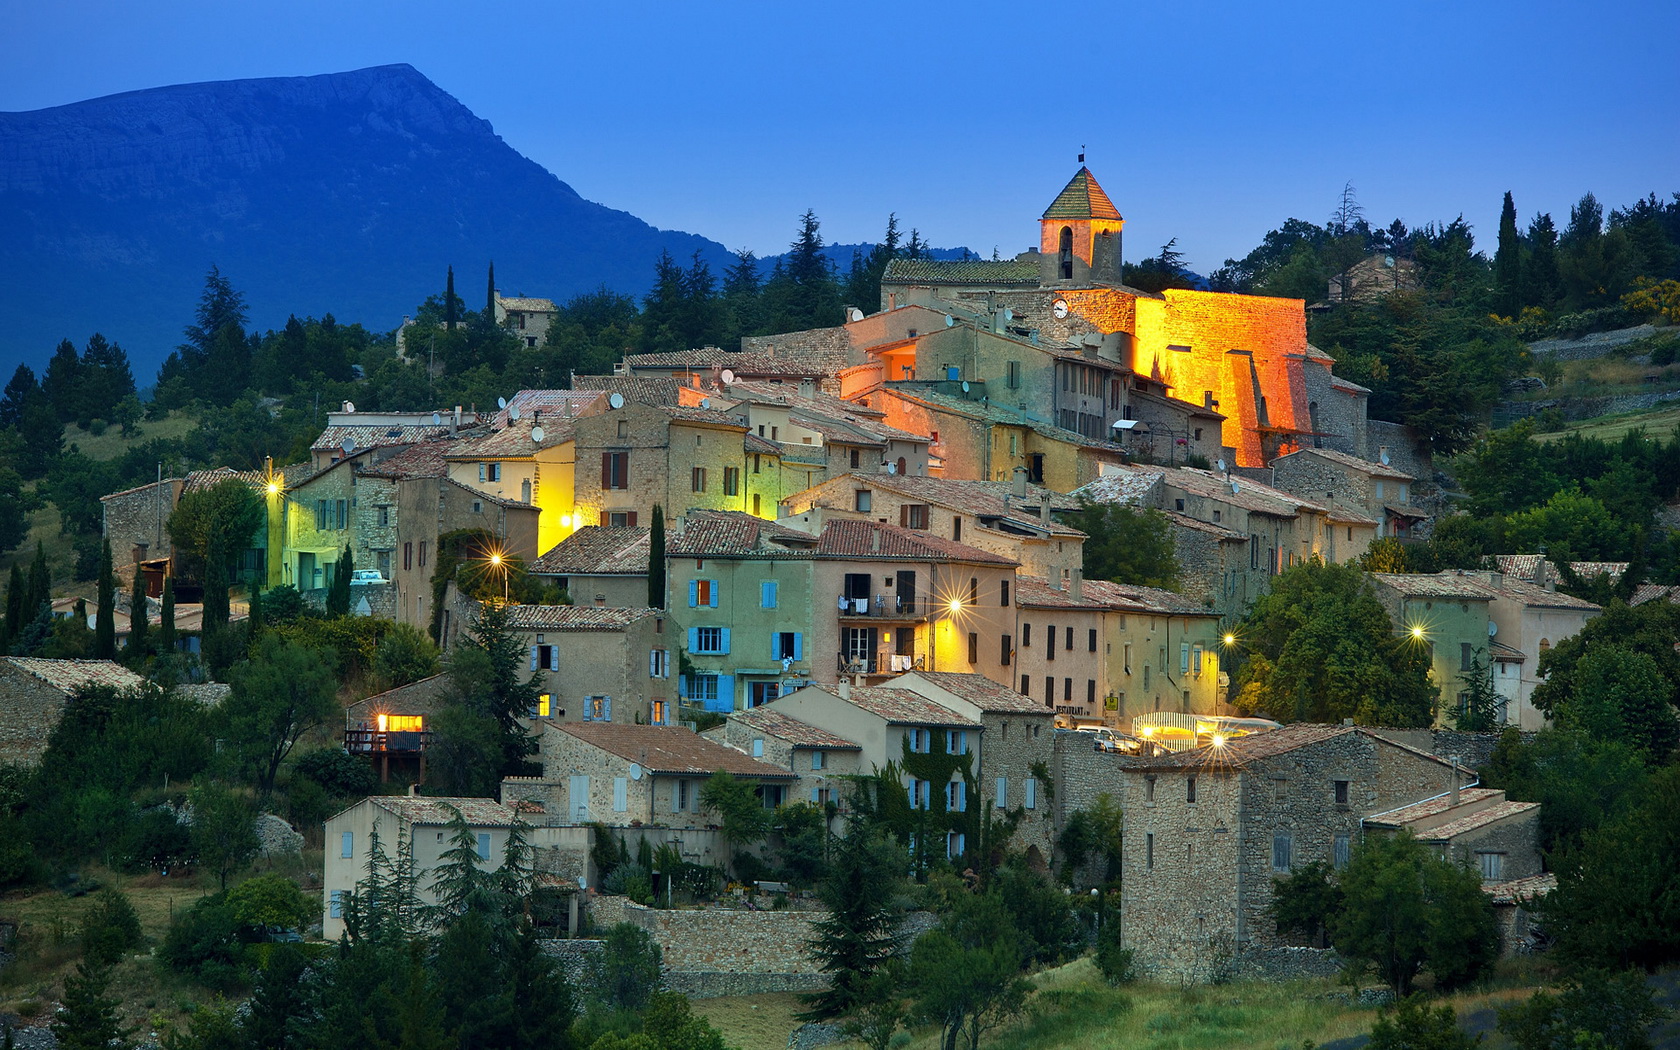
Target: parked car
[{"x": 363, "y": 577}]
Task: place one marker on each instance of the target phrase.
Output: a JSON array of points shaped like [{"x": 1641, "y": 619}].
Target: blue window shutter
[
  {"x": 714, "y": 595},
  {"x": 775, "y": 645},
  {"x": 694, "y": 639},
  {"x": 533, "y": 658},
  {"x": 814, "y": 796},
  {"x": 726, "y": 694},
  {"x": 346, "y": 845},
  {"x": 606, "y": 708},
  {"x": 723, "y": 646},
  {"x": 682, "y": 686},
  {"x": 693, "y": 593},
  {"x": 798, "y": 645},
  {"x": 1002, "y": 792},
  {"x": 554, "y": 658}
]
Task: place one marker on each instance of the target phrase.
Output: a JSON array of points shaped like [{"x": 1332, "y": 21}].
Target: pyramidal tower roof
[{"x": 1082, "y": 198}]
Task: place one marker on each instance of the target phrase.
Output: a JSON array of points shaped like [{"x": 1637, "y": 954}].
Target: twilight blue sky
[{"x": 1211, "y": 122}]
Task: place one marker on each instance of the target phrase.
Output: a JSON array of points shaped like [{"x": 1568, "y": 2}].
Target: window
[
  {"x": 1003, "y": 593},
  {"x": 862, "y": 500},
  {"x": 679, "y": 796},
  {"x": 484, "y": 845},
  {"x": 921, "y": 793},
  {"x": 755, "y": 505},
  {"x": 1189, "y": 789},
  {"x": 1091, "y": 639},
  {"x": 1026, "y": 686},
  {"x": 1149, "y": 851},
  {"x": 973, "y": 648},
  {"x": 819, "y": 760},
  {"x": 956, "y": 527},
  {"x": 703, "y": 687},
  {"x": 1032, "y": 793},
  {"x": 1149, "y": 789},
  {"x": 731, "y": 481},
  {"x": 758, "y": 747},
  {"x": 1195, "y": 659},
  {"x": 956, "y": 742},
  {"x": 913, "y": 515},
  {"x": 1006, "y": 652},
  {"x": 545, "y": 705},
  {"x": 1283, "y": 849},
  {"x": 336, "y": 908},
  {"x": 1341, "y": 851},
  {"x": 659, "y": 663},
  {"x": 624, "y": 428},
  {"x": 615, "y": 470},
  {"x": 758, "y": 463},
  {"x": 597, "y": 709},
  {"x": 1002, "y": 800},
  {"x": 1466, "y": 656},
  {"x": 1026, "y": 636},
  {"x": 621, "y": 794},
  {"x": 347, "y": 844},
  {"x": 1049, "y": 689},
  {"x": 702, "y": 594},
  {"x": 1012, "y": 376},
  {"x": 786, "y": 645},
  {"x": 1091, "y": 693},
  {"x": 489, "y": 472},
  {"x": 1127, "y": 654},
  {"x": 711, "y": 640},
  {"x": 423, "y": 546},
  {"x": 1070, "y": 639},
  {"x": 1492, "y": 865},
  {"x": 383, "y": 514},
  {"x": 408, "y": 556},
  {"x": 921, "y": 740},
  {"x": 698, "y": 479},
  {"x": 1050, "y": 641},
  {"x": 956, "y": 799},
  {"x": 1341, "y": 787},
  {"x": 767, "y": 594}
]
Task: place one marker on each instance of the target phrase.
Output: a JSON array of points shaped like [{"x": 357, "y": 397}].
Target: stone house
[
  {"x": 1476, "y": 826},
  {"x": 819, "y": 436},
  {"x": 1370, "y": 489},
  {"x": 1372, "y": 278},
  {"x": 743, "y": 588},
  {"x": 1207, "y": 830},
  {"x": 136, "y": 520},
  {"x": 633, "y": 775},
  {"x": 394, "y": 728},
  {"x": 602, "y": 565},
  {"x": 1448, "y": 615},
  {"x": 33, "y": 693},
  {"x": 423, "y": 822},
  {"x": 821, "y": 760},
  {"x": 1525, "y": 620},
  {"x": 371, "y": 436},
  {"x": 530, "y": 461},
  {"x": 599, "y": 664},
  {"x": 527, "y": 318},
  {"x": 1013, "y": 520}
]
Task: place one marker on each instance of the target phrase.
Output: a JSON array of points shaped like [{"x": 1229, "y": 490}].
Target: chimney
[
  {"x": 875, "y": 541},
  {"x": 455, "y": 421},
  {"x": 807, "y": 387},
  {"x": 844, "y": 688},
  {"x": 1078, "y": 587},
  {"x": 1021, "y": 482},
  {"x": 413, "y": 790},
  {"x": 1454, "y": 761}
]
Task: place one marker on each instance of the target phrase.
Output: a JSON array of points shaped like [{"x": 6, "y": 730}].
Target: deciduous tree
[{"x": 281, "y": 692}]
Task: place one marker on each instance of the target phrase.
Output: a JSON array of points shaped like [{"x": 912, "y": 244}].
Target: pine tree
[
  {"x": 166, "y": 623},
  {"x": 656, "y": 559},
  {"x": 1540, "y": 274},
  {"x": 62, "y": 380},
  {"x": 449, "y": 313},
  {"x": 137, "y": 625},
  {"x": 105, "y": 619},
  {"x": 1507, "y": 263},
  {"x": 88, "y": 1019},
  {"x": 855, "y": 937},
  {"x": 338, "y": 595}
]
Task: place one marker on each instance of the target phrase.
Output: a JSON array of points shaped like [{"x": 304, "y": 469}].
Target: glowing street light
[
  {"x": 955, "y": 605},
  {"x": 1230, "y": 639},
  {"x": 1218, "y": 740},
  {"x": 1417, "y": 632}
]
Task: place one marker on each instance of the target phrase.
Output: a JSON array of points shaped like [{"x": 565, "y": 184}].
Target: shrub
[
  {"x": 204, "y": 943},
  {"x": 340, "y": 773},
  {"x": 110, "y": 928},
  {"x": 1114, "y": 962}
]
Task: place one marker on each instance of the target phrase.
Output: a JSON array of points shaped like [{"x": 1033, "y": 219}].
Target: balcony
[
  {"x": 889, "y": 607},
  {"x": 377, "y": 742},
  {"x": 881, "y": 662}
]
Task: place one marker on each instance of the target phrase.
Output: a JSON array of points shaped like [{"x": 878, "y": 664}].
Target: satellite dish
[
  {"x": 1222, "y": 464},
  {"x": 501, "y": 402},
  {"x": 537, "y": 434},
  {"x": 949, "y": 320},
  {"x": 349, "y": 406},
  {"x": 437, "y": 420},
  {"x": 349, "y": 446},
  {"x": 1008, "y": 314},
  {"x": 965, "y": 386},
  {"x": 513, "y": 413},
  {"x": 615, "y": 399},
  {"x": 1235, "y": 488},
  {"x": 1384, "y": 458},
  {"x": 1493, "y": 628},
  {"x": 705, "y": 402},
  {"x": 855, "y": 315},
  {"x": 583, "y": 883},
  {"x": 892, "y": 468},
  {"x": 728, "y": 376},
  {"x": 635, "y": 771}
]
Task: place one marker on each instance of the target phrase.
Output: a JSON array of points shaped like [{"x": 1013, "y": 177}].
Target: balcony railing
[
  {"x": 889, "y": 607},
  {"x": 882, "y": 662},
  {"x": 374, "y": 742}
]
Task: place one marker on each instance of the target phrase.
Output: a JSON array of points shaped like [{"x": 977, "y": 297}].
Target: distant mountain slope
[{"x": 347, "y": 193}]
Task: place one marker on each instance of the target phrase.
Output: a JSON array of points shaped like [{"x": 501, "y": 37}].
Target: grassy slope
[
  {"x": 1657, "y": 424},
  {"x": 112, "y": 444}
]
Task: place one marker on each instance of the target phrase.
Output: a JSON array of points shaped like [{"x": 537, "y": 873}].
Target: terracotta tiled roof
[
  {"x": 1588, "y": 570},
  {"x": 1480, "y": 819},
  {"x": 1650, "y": 592},
  {"x": 751, "y": 442},
  {"x": 1447, "y": 584},
  {"x": 1035, "y": 592},
  {"x": 514, "y": 440},
  {"x": 1364, "y": 466},
  {"x": 1248, "y": 748},
  {"x": 670, "y": 750},
  {"x": 1152, "y": 599},
  {"x": 871, "y": 540},
  {"x": 418, "y": 809},
  {"x": 550, "y": 404},
  {"x": 425, "y": 460},
  {"x": 1220, "y": 531},
  {"x": 983, "y": 499},
  {"x": 1132, "y": 487},
  {"x": 70, "y": 675},
  {"x": 814, "y": 353},
  {"x": 646, "y": 390},
  {"x": 1252, "y": 495},
  {"x": 199, "y": 480},
  {"x": 786, "y": 363},
  {"x": 374, "y": 435},
  {"x": 147, "y": 487},
  {"x": 985, "y": 272},
  {"x": 1432, "y": 807},
  {"x": 982, "y": 692},
  {"x": 574, "y": 617},
  {"x": 785, "y": 727},
  {"x": 530, "y": 306},
  {"x": 1082, "y": 198},
  {"x": 902, "y": 707},
  {"x": 706, "y": 416},
  {"x": 1501, "y": 651},
  {"x": 996, "y": 413},
  {"x": 597, "y": 550},
  {"x": 1521, "y": 889},
  {"x": 737, "y": 534},
  {"x": 424, "y": 691},
  {"x": 1532, "y": 595}
]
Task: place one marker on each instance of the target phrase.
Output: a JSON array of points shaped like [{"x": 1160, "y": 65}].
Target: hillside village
[{"x": 845, "y": 570}]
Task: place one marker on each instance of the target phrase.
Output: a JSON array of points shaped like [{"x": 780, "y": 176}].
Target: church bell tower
[{"x": 1079, "y": 235}]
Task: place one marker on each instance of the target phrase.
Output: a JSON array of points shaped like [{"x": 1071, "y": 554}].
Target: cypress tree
[
  {"x": 215, "y": 618},
  {"x": 254, "y": 621},
  {"x": 105, "y": 618},
  {"x": 16, "y": 591},
  {"x": 136, "y": 651},
  {"x": 656, "y": 559},
  {"x": 449, "y": 317},
  {"x": 338, "y": 595},
  {"x": 1507, "y": 263},
  {"x": 40, "y": 582},
  {"x": 490, "y": 298},
  {"x": 166, "y": 625}
]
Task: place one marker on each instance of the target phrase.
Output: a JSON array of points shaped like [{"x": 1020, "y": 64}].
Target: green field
[
  {"x": 112, "y": 444},
  {"x": 1657, "y": 424}
]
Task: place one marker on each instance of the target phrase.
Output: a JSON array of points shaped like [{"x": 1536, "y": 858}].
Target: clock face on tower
[{"x": 1059, "y": 308}]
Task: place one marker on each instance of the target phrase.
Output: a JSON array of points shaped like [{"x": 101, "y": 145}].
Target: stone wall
[
  {"x": 140, "y": 515},
  {"x": 29, "y": 711},
  {"x": 1407, "y": 453}
]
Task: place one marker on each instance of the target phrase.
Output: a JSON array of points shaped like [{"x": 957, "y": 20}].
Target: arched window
[
  {"x": 1066, "y": 253},
  {"x": 901, "y": 464}
]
